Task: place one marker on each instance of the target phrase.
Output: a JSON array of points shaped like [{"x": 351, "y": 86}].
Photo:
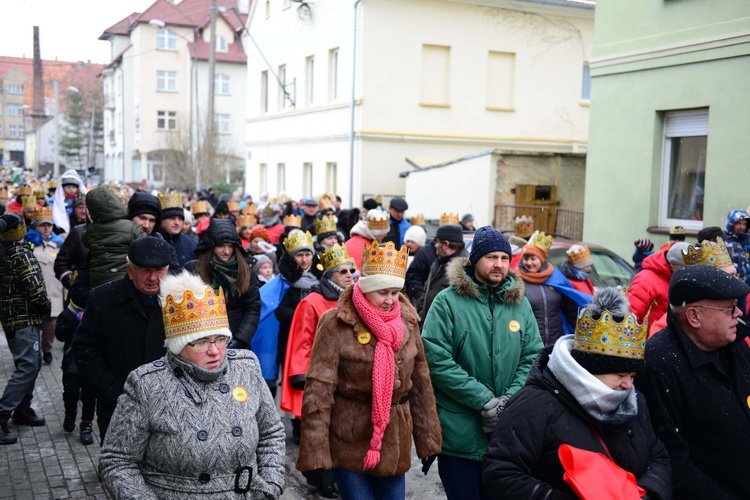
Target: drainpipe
[{"x": 351, "y": 106}]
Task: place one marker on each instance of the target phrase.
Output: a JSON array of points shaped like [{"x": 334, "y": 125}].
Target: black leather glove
[
  {"x": 236, "y": 343},
  {"x": 427, "y": 463},
  {"x": 65, "y": 280}
]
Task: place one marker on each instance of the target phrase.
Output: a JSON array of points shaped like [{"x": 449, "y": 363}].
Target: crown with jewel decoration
[
  {"x": 29, "y": 202},
  {"x": 52, "y": 184},
  {"x": 42, "y": 214},
  {"x": 326, "y": 224},
  {"x": 677, "y": 231},
  {"x": 417, "y": 220},
  {"x": 385, "y": 259},
  {"x": 16, "y": 234},
  {"x": 39, "y": 194},
  {"x": 293, "y": 220},
  {"x": 171, "y": 200},
  {"x": 709, "y": 253},
  {"x": 199, "y": 207},
  {"x": 25, "y": 190},
  {"x": 579, "y": 255},
  {"x": 270, "y": 208},
  {"x": 193, "y": 314},
  {"x": 540, "y": 240},
  {"x": 248, "y": 220},
  {"x": 250, "y": 209},
  {"x": 378, "y": 221},
  {"x": 449, "y": 218},
  {"x": 524, "y": 226},
  {"x": 624, "y": 339},
  {"x": 335, "y": 256},
  {"x": 297, "y": 239},
  {"x": 325, "y": 202}
]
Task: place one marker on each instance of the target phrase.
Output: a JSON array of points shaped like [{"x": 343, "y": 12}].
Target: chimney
[{"x": 37, "y": 111}]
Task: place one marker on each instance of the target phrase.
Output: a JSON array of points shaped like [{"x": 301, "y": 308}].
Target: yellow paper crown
[
  {"x": 24, "y": 190},
  {"x": 677, "y": 230},
  {"x": 52, "y": 184},
  {"x": 247, "y": 220},
  {"x": 449, "y": 218},
  {"x": 335, "y": 256},
  {"x": 293, "y": 220},
  {"x": 709, "y": 253},
  {"x": 268, "y": 209},
  {"x": 378, "y": 220},
  {"x": 624, "y": 339},
  {"x": 170, "y": 200},
  {"x": 250, "y": 209},
  {"x": 42, "y": 213},
  {"x": 541, "y": 241},
  {"x": 199, "y": 207},
  {"x": 524, "y": 226},
  {"x": 326, "y": 224},
  {"x": 298, "y": 239},
  {"x": 385, "y": 259},
  {"x": 325, "y": 202},
  {"x": 579, "y": 254},
  {"x": 39, "y": 194},
  {"x": 29, "y": 202},
  {"x": 194, "y": 315},
  {"x": 233, "y": 206},
  {"x": 417, "y": 220}
]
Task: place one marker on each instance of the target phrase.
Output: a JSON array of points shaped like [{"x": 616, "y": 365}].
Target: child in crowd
[{"x": 263, "y": 269}]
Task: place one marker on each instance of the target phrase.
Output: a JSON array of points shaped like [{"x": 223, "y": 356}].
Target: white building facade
[{"x": 434, "y": 81}]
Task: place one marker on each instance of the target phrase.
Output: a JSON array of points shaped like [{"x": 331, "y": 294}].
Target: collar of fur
[
  {"x": 348, "y": 314},
  {"x": 462, "y": 283}
]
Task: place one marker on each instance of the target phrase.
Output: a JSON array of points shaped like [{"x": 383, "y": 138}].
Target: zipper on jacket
[{"x": 546, "y": 318}]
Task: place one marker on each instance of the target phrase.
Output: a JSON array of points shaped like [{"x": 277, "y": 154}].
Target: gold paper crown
[
  {"x": 417, "y": 220},
  {"x": 24, "y": 190},
  {"x": 250, "y": 209},
  {"x": 677, "y": 230},
  {"x": 16, "y": 234},
  {"x": 385, "y": 259},
  {"x": 52, "y": 184},
  {"x": 524, "y": 226},
  {"x": 624, "y": 339},
  {"x": 29, "y": 202},
  {"x": 326, "y": 224},
  {"x": 199, "y": 207},
  {"x": 579, "y": 254},
  {"x": 298, "y": 239},
  {"x": 378, "y": 220},
  {"x": 325, "y": 202},
  {"x": 268, "y": 209},
  {"x": 233, "y": 206},
  {"x": 709, "y": 253},
  {"x": 194, "y": 315},
  {"x": 293, "y": 220},
  {"x": 39, "y": 194},
  {"x": 3, "y": 192},
  {"x": 335, "y": 256},
  {"x": 42, "y": 213},
  {"x": 540, "y": 240},
  {"x": 248, "y": 220},
  {"x": 170, "y": 200},
  {"x": 449, "y": 218}
]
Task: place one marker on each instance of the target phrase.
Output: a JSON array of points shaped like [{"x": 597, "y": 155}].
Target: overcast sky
[{"x": 68, "y": 29}]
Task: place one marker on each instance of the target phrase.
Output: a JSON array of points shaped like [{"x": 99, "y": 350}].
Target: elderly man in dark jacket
[
  {"x": 122, "y": 325},
  {"x": 696, "y": 383}
]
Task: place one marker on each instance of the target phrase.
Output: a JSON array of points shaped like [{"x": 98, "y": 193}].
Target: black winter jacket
[
  {"x": 72, "y": 255},
  {"x": 437, "y": 280},
  {"x": 522, "y": 460},
  {"x": 183, "y": 245},
  {"x": 419, "y": 271}
]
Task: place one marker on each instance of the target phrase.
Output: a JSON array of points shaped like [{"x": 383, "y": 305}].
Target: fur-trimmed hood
[{"x": 512, "y": 289}]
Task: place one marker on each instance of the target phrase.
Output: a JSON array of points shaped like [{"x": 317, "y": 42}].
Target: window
[
  {"x": 15, "y": 89},
  {"x": 221, "y": 84},
  {"x": 282, "y": 87},
  {"x": 166, "y": 120},
  {"x": 12, "y": 131},
  {"x": 1, "y": 131},
  {"x": 15, "y": 110},
  {"x": 263, "y": 181},
  {"x": 683, "y": 168},
  {"x": 166, "y": 80},
  {"x": 222, "y": 123},
  {"x": 586, "y": 85},
  {"x": 21, "y": 130},
  {"x": 331, "y": 178},
  {"x": 264, "y": 91},
  {"x": 221, "y": 44},
  {"x": 307, "y": 179},
  {"x": 333, "y": 74},
  {"x": 165, "y": 39},
  {"x": 280, "y": 177},
  {"x": 501, "y": 68},
  {"x": 268, "y": 9},
  {"x": 309, "y": 79},
  {"x": 435, "y": 89}
]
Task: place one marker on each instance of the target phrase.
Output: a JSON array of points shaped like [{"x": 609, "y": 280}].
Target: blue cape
[
  {"x": 265, "y": 342},
  {"x": 559, "y": 282}
]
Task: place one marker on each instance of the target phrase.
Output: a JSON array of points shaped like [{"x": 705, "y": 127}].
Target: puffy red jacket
[{"x": 651, "y": 286}]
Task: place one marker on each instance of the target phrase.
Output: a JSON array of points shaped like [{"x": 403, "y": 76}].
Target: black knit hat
[
  {"x": 221, "y": 208},
  {"x": 486, "y": 240},
  {"x": 219, "y": 232},
  {"x": 144, "y": 203},
  {"x": 370, "y": 204}
]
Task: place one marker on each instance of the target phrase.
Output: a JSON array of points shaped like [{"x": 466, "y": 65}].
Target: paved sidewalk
[{"x": 48, "y": 463}]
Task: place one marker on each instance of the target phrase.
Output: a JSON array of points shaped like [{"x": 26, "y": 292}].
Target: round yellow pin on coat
[
  {"x": 514, "y": 326},
  {"x": 239, "y": 394},
  {"x": 364, "y": 338}
]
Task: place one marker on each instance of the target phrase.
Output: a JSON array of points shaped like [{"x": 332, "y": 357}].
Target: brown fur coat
[{"x": 336, "y": 406}]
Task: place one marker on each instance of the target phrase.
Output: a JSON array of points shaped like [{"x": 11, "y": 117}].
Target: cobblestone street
[{"x": 48, "y": 463}]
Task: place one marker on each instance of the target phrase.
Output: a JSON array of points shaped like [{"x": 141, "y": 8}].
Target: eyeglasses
[
  {"x": 729, "y": 309},
  {"x": 345, "y": 271},
  {"x": 204, "y": 345}
]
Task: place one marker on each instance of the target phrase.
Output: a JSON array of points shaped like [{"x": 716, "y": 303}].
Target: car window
[{"x": 607, "y": 270}]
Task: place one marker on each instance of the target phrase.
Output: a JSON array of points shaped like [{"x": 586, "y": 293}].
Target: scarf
[
  {"x": 388, "y": 328},
  {"x": 577, "y": 274},
  {"x": 225, "y": 274},
  {"x": 538, "y": 277},
  {"x": 601, "y": 403},
  {"x": 306, "y": 281}
]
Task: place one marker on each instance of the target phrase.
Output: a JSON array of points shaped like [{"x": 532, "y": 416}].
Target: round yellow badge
[
  {"x": 364, "y": 338},
  {"x": 514, "y": 326},
  {"x": 748, "y": 401},
  {"x": 320, "y": 267},
  {"x": 239, "y": 394}
]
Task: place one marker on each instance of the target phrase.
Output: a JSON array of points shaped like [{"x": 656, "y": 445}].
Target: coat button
[
  {"x": 204, "y": 477},
  {"x": 237, "y": 431},
  {"x": 202, "y": 435},
  {"x": 159, "y": 363},
  {"x": 224, "y": 388},
  {"x": 631, "y": 433},
  {"x": 231, "y": 352}
]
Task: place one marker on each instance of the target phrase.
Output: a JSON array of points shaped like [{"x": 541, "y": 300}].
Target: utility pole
[
  {"x": 210, "y": 128},
  {"x": 56, "y": 152}
]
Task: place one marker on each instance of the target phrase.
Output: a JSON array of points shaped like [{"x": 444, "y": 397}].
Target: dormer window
[
  {"x": 221, "y": 44},
  {"x": 165, "y": 39}
]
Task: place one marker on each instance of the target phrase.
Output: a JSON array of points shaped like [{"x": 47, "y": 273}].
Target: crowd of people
[{"x": 185, "y": 318}]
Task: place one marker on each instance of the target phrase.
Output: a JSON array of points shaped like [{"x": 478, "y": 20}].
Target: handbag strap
[{"x": 601, "y": 442}]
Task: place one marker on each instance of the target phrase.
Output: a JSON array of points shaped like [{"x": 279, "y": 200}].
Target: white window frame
[
  {"x": 165, "y": 39},
  {"x": 169, "y": 120},
  {"x": 686, "y": 123},
  {"x": 264, "y": 92},
  {"x": 333, "y": 75},
  {"x": 282, "y": 87},
  {"x": 280, "y": 177},
  {"x": 331, "y": 177},
  {"x": 221, "y": 44},
  {"x": 12, "y": 131},
  {"x": 222, "y": 123},
  {"x": 586, "y": 82},
  {"x": 307, "y": 179},
  {"x": 221, "y": 84},
  {"x": 263, "y": 174},
  {"x": 310, "y": 80},
  {"x": 166, "y": 81},
  {"x": 15, "y": 109}
]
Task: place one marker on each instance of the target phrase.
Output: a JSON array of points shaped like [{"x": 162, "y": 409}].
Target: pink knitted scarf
[{"x": 388, "y": 328}]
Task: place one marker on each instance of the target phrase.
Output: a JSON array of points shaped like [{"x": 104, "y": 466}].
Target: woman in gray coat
[{"x": 199, "y": 422}]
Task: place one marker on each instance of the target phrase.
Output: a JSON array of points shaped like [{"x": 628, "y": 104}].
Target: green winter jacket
[
  {"x": 476, "y": 352},
  {"x": 108, "y": 236}
]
